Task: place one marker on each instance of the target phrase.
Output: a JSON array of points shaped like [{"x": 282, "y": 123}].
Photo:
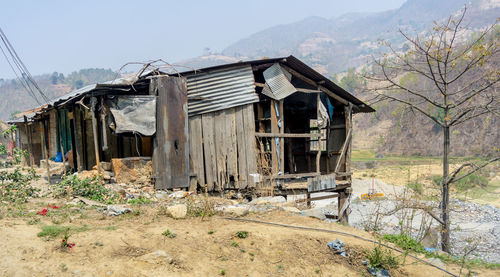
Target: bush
[
  {"x": 469, "y": 182},
  {"x": 416, "y": 187},
  {"x": 169, "y": 234},
  {"x": 405, "y": 242},
  {"x": 379, "y": 258},
  {"x": 242, "y": 234},
  {"x": 15, "y": 186},
  {"x": 90, "y": 188}
]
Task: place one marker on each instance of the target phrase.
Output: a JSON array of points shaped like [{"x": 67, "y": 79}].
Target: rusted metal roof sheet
[
  {"x": 305, "y": 70},
  {"x": 218, "y": 89}
]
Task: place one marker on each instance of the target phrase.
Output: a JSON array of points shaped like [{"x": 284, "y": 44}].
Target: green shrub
[
  {"x": 380, "y": 258},
  {"x": 405, "y": 242},
  {"x": 242, "y": 234},
  {"x": 167, "y": 233},
  {"x": 15, "y": 186},
  {"x": 416, "y": 187},
  {"x": 90, "y": 188},
  {"x": 469, "y": 182},
  {"x": 139, "y": 201},
  {"x": 56, "y": 230}
]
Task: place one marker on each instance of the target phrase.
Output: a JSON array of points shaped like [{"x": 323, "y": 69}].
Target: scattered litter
[
  {"x": 180, "y": 194},
  {"x": 43, "y": 212},
  {"x": 430, "y": 249},
  {"x": 115, "y": 210},
  {"x": 338, "y": 247},
  {"x": 380, "y": 272}
]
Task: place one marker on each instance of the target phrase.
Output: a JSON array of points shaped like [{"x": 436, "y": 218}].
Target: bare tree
[{"x": 455, "y": 79}]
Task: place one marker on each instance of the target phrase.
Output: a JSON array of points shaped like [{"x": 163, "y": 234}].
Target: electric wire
[{"x": 340, "y": 233}]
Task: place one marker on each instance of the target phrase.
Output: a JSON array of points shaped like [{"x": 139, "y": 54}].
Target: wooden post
[
  {"x": 348, "y": 127},
  {"x": 93, "y": 102},
  {"x": 342, "y": 215},
  {"x": 77, "y": 150},
  {"x": 274, "y": 129},
  {"x": 63, "y": 158},
  {"x": 282, "y": 139},
  {"x": 30, "y": 150},
  {"x": 45, "y": 149},
  {"x": 318, "y": 154}
]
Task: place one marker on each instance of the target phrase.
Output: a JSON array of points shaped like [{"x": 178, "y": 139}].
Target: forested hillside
[{"x": 15, "y": 98}]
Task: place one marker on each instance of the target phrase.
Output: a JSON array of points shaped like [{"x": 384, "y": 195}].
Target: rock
[
  {"x": 291, "y": 209},
  {"x": 177, "y": 211},
  {"x": 157, "y": 257},
  {"x": 315, "y": 212},
  {"x": 233, "y": 210},
  {"x": 161, "y": 195},
  {"x": 114, "y": 210},
  {"x": 106, "y": 175},
  {"x": 106, "y": 166},
  {"x": 268, "y": 200}
]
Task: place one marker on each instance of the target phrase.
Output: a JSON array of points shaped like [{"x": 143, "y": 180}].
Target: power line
[
  {"x": 21, "y": 81},
  {"x": 28, "y": 79}
]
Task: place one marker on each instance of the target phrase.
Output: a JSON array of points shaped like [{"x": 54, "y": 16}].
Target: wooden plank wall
[
  {"x": 171, "y": 152},
  {"x": 222, "y": 148}
]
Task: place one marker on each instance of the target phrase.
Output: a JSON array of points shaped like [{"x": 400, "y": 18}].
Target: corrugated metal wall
[{"x": 220, "y": 89}]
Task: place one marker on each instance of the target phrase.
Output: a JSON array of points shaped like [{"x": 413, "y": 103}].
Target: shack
[{"x": 270, "y": 126}]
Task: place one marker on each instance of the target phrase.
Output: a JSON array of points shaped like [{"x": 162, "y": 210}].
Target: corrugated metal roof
[
  {"x": 218, "y": 89},
  {"x": 302, "y": 68}
]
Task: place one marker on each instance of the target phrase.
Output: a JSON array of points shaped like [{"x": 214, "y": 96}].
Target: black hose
[{"x": 340, "y": 233}]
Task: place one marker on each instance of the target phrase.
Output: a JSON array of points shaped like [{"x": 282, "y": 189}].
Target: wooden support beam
[
  {"x": 313, "y": 83},
  {"x": 282, "y": 140},
  {"x": 287, "y": 135},
  {"x": 335, "y": 195},
  {"x": 348, "y": 124},
  {"x": 45, "y": 150},
  {"x": 343, "y": 151},
  {"x": 93, "y": 102},
  {"x": 318, "y": 154},
  {"x": 291, "y": 176},
  {"x": 274, "y": 129},
  {"x": 30, "y": 148}
]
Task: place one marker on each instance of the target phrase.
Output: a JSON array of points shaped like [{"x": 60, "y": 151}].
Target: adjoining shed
[{"x": 267, "y": 126}]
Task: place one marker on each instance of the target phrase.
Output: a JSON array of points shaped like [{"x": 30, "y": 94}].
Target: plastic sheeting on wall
[{"x": 134, "y": 114}]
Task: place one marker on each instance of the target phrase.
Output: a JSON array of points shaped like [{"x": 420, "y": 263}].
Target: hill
[{"x": 16, "y": 99}]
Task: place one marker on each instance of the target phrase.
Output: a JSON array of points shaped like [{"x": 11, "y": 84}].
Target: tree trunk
[{"x": 445, "y": 229}]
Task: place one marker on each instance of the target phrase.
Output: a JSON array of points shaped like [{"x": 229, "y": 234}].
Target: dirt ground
[{"x": 122, "y": 245}]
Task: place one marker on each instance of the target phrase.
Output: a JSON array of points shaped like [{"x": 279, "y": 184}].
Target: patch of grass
[
  {"x": 405, "y": 242},
  {"x": 139, "y": 201},
  {"x": 211, "y": 232},
  {"x": 33, "y": 221},
  {"x": 223, "y": 272},
  {"x": 204, "y": 207},
  {"x": 56, "y": 230},
  {"x": 63, "y": 267},
  {"x": 316, "y": 270},
  {"x": 110, "y": 228},
  {"x": 169, "y": 234},
  {"x": 242, "y": 234},
  {"x": 382, "y": 258},
  {"x": 234, "y": 244}
]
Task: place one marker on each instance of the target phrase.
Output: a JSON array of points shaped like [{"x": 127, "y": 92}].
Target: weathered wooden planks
[
  {"x": 207, "y": 123},
  {"x": 223, "y": 148},
  {"x": 242, "y": 149},
  {"x": 196, "y": 149},
  {"x": 171, "y": 153}
]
